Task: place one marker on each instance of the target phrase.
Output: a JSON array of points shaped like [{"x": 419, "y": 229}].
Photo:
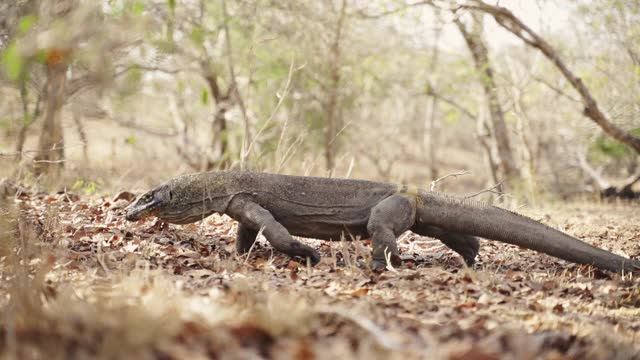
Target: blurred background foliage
[{"x": 134, "y": 92}]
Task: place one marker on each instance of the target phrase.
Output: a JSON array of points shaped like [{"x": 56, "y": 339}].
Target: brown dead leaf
[
  {"x": 474, "y": 353},
  {"x": 504, "y": 289},
  {"x": 293, "y": 275},
  {"x": 467, "y": 305},
  {"x": 124, "y": 195},
  {"x": 549, "y": 285},
  {"x": 190, "y": 330},
  {"x": 78, "y": 234},
  {"x": 359, "y": 292},
  {"x": 50, "y": 200},
  {"x": 536, "y": 306},
  {"x": 259, "y": 263},
  {"x": 293, "y": 265},
  {"x": 178, "y": 270},
  {"x": 558, "y": 309},
  {"x": 249, "y": 335},
  {"x": 117, "y": 205},
  {"x": 303, "y": 351}
]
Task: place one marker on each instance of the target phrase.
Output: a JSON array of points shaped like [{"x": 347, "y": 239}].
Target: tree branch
[
  {"x": 453, "y": 103},
  {"x": 510, "y": 22}
]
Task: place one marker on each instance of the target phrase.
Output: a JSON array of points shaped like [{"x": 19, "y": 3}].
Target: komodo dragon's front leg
[{"x": 253, "y": 217}]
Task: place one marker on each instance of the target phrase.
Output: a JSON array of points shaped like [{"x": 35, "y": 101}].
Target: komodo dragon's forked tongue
[{"x": 490, "y": 222}]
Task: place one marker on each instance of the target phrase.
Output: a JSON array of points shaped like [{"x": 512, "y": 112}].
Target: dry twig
[
  {"x": 435, "y": 182},
  {"x": 491, "y": 190}
]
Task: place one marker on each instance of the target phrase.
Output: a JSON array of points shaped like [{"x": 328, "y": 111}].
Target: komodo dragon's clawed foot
[
  {"x": 381, "y": 265},
  {"x": 305, "y": 252},
  {"x": 469, "y": 257},
  {"x": 470, "y": 261},
  {"x": 378, "y": 265},
  {"x": 299, "y": 250}
]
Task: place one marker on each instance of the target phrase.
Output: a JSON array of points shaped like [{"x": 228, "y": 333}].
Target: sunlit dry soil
[{"x": 78, "y": 281}]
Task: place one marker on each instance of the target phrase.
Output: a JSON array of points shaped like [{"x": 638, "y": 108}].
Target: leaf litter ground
[{"x": 78, "y": 281}]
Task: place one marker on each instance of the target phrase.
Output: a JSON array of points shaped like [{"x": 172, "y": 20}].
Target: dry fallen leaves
[{"x": 517, "y": 304}]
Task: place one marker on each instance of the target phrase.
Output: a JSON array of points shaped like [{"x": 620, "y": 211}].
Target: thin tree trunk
[
  {"x": 220, "y": 137},
  {"x": 83, "y": 136},
  {"x": 480, "y": 56},
  {"x": 522, "y": 125},
  {"x": 431, "y": 135},
  {"x": 433, "y": 138},
  {"x": 235, "y": 91},
  {"x": 483, "y": 135},
  {"x": 332, "y": 103},
  {"x": 27, "y": 121},
  {"x": 30, "y": 7},
  {"x": 50, "y": 159}
]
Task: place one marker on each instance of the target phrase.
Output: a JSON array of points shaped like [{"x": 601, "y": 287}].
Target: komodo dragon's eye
[{"x": 147, "y": 197}]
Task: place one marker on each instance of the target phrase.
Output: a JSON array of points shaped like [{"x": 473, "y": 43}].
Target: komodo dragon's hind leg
[
  {"x": 390, "y": 218},
  {"x": 255, "y": 217},
  {"x": 465, "y": 245},
  {"x": 246, "y": 238}
]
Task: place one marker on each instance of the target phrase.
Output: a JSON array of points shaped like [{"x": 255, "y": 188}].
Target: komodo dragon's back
[{"x": 316, "y": 192}]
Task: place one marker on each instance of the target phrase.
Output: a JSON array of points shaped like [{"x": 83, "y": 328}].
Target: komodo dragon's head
[
  {"x": 182, "y": 200},
  {"x": 155, "y": 202}
]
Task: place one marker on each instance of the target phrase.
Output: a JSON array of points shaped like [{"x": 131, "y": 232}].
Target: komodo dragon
[{"x": 331, "y": 209}]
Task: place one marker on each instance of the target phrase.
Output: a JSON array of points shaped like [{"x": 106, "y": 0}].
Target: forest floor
[{"x": 87, "y": 284}]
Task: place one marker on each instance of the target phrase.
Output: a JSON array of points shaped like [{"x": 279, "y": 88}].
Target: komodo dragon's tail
[{"x": 490, "y": 222}]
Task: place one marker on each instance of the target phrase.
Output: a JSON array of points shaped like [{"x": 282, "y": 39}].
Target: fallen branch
[
  {"x": 601, "y": 183},
  {"x": 604, "y": 187}
]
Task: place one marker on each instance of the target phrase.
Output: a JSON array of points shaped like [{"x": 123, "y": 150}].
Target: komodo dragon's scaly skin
[{"x": 331, "y": 209}]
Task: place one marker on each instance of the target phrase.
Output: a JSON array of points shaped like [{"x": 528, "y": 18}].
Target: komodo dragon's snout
[
  {"x": 149, "y": 204},
  {"x": 172, "y": 204}
]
